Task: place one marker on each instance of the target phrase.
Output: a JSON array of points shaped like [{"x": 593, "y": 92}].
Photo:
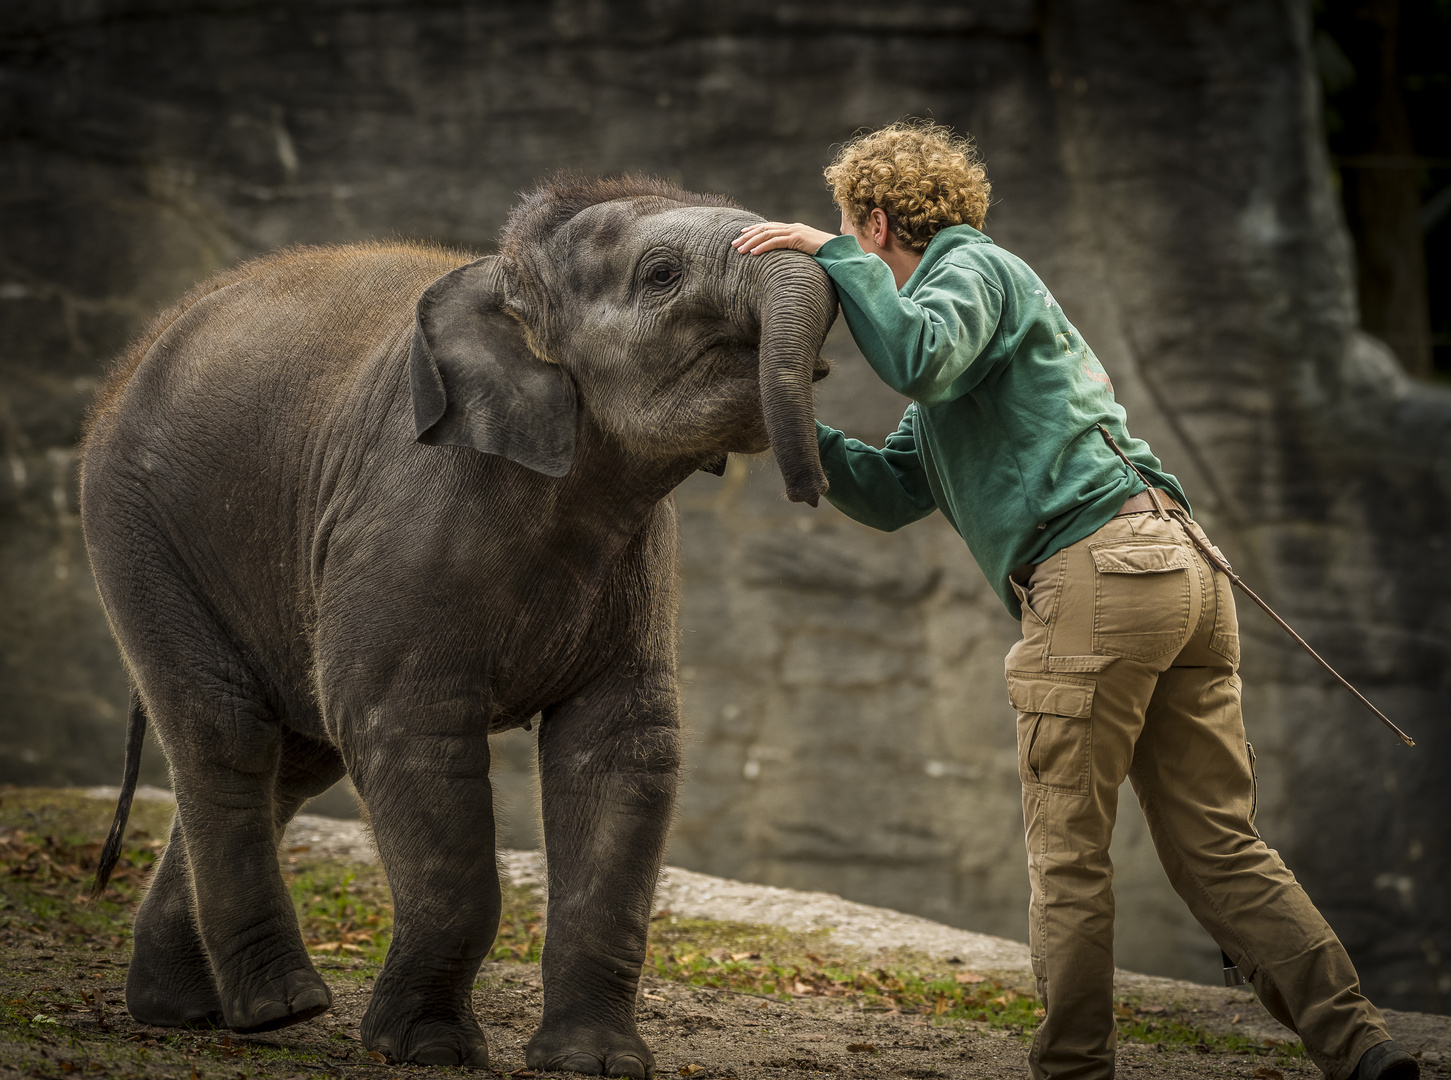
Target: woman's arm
[
  {"x": 923, "y": 345},
  {"x": 884, "y": 488}
]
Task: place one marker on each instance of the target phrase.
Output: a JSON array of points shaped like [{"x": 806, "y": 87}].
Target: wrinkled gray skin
[{"x": 345, "y": 519}]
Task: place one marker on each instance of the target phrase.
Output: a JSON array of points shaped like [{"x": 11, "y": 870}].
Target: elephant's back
[
  {"x": 285, "y": 329},
  {"x": 246, "y": 373}
]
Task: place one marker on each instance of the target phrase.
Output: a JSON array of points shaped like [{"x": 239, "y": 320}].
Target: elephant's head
[{"x": 623, "y": 300}]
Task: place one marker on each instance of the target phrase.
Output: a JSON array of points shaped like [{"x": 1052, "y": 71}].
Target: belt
[{"x": 1138, "y": 504}]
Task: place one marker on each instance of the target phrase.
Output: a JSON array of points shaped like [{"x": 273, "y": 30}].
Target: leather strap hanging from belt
[{"x": 1216, "y": 561}]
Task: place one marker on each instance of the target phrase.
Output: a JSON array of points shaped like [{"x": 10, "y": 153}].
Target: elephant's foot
[
  {"x": 590, "y": 1050},
  {"x": 189, "y": 1006},
  {"x": 278, "y": 1002},
  {"x": 169, "y": 982},
  {"x": 424, "y": 1036}
]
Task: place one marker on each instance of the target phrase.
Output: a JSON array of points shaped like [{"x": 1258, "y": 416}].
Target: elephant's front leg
[
  {"x": 423, "y": 774},
  {"x": 608, "y": 763}
]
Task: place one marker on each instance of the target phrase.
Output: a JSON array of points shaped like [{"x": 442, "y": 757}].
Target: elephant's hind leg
[
  {"x": 225, "y": 747},
  {"x": 170, "y": 982}
]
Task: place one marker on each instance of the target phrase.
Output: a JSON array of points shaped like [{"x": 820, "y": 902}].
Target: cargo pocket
[
  {"x": 1054, "y": 731},
  {"x": 1140, "y": 597}
]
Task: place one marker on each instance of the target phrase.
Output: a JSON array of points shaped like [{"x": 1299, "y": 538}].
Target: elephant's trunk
[{"x": 797, "y": 306}]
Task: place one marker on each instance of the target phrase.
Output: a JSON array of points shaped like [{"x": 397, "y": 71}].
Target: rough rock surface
[{"x": 1159, "y": 163}]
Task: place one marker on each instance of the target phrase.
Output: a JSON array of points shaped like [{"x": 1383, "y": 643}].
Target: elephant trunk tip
[{"x": 807, "y": 489}]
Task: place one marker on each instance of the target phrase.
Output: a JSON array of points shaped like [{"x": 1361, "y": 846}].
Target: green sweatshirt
[{"x": 1000, "y": 435}]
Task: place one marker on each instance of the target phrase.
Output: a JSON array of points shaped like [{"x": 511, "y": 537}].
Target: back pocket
[
  {"x": 1140, "y": 598},
  {"x": 1055, "y": 741}
]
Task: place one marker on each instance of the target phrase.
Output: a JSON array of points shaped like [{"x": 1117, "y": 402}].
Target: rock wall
[{"x": 1159, "y": 163}]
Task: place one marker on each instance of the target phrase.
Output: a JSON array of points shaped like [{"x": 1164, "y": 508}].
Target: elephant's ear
[{"x": 477, "y": 383}]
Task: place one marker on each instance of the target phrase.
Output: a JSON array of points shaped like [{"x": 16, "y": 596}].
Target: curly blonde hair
[{"x": 920, "y": 174}]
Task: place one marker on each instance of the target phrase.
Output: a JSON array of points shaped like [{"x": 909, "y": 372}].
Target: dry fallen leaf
[
  {"x": 1151, "y": 1010},
  {"x": 378, "y": 1056},
  {"x": 663, "y": 913},
  {"x": 525, "y": 1073},
  {"x": 967, "y": 977},
  {"x": 860, "y": 1048},
  {"x": 691, "y": 1070},
  {"x": 299, "y": 849},
  {"x": 652, "y": 997},
  {"x": 1269, "y": 1074}
]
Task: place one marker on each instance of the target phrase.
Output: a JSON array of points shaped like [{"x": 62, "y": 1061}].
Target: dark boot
[{"x": 1387, "y": 1061}]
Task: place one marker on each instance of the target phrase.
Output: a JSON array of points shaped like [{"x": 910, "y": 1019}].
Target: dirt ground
[
  {"x": 63, "y": 966},
  {"x": 694, "y": 1032}
]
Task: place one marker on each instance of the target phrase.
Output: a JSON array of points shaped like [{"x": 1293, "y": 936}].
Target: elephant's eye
[{"x": 663, "y": 274}]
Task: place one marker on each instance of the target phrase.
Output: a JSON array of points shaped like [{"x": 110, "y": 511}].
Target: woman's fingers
[
  {"x": 771, "y": 235},
  {"x": 768, "y": 241},
  {"x": 752, "y": 235}
]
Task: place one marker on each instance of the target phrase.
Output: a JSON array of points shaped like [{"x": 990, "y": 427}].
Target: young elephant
[{"x": 353, "y": 509}]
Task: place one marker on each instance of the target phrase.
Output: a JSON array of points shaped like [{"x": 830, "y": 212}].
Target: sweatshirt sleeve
[
  {"x": 884, "y": 488},
  {"x": 922, "y": 346}
]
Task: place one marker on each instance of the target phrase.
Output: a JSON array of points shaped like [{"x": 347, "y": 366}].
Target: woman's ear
[
  {"x": 881, "y": 227},
  {"x": 476, "y": 382}
]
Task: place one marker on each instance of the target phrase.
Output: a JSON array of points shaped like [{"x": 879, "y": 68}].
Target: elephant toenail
[
  {"x": 437, "y": 1054},
  {"x": 478, "y": 1058},
  {"x": 628, "y": 1065},
  {"x": 581, "y": 1063}
]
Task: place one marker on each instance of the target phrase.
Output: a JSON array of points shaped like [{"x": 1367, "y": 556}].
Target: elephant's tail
[{"x": 135, "y": 734}]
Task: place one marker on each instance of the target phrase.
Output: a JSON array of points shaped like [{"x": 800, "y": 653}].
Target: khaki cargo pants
[{"x": 1127, "y": 668}]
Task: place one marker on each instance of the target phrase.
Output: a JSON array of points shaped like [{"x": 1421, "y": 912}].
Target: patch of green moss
[
  {"x": 1162, "y": 1026},
  {"x": 345, "y": 911},
  {"x": 771, "y": 962}
]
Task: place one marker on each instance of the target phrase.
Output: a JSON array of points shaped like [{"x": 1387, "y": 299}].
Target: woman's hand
[{"x": 770, "y": 235}]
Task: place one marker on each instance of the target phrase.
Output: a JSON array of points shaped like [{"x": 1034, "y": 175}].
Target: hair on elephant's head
[{"x": 623, "y": 300}]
